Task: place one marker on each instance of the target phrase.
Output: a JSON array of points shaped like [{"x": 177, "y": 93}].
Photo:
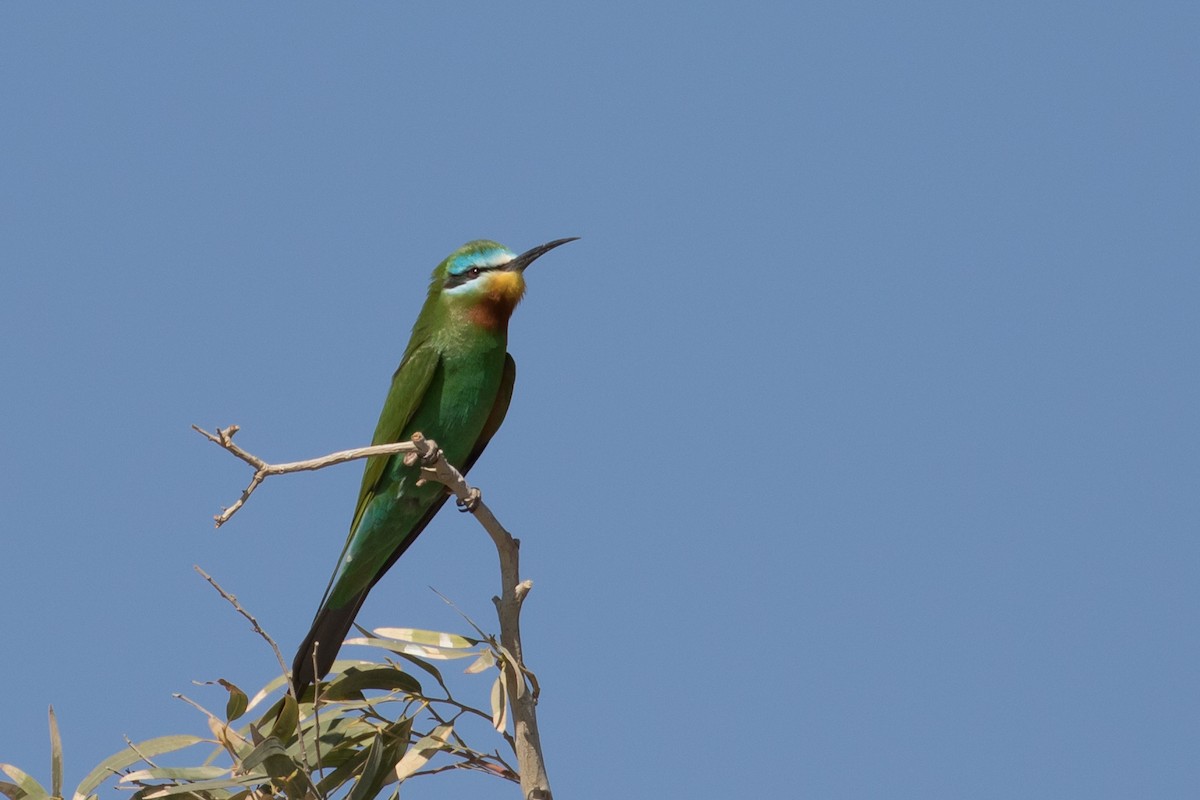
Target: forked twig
[
  {"x": 262, "y": 470},
  {"x": 535, "y": 785}
]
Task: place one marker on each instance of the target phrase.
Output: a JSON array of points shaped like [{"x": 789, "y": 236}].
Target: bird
[{"x": 453, "y": 385}]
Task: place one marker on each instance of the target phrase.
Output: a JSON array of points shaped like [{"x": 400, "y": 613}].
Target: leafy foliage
[{"x": 369, "y": 728}]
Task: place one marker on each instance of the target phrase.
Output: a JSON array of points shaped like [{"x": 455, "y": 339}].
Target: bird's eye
[{"x": 473, "y": 272}]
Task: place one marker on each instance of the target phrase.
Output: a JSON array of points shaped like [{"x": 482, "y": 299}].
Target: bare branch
[
  {"x": 535, "y": 785},
  {"x": 262, "y": 470},
  {"x": 523, "y": 697},
  {"x": 233, "y": 601}
]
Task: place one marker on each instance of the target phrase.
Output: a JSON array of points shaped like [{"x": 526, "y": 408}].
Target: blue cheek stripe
[{"x": 480, "y": 258}]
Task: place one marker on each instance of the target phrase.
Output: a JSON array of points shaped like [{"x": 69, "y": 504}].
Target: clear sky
[{"x": 854, "y": 448}]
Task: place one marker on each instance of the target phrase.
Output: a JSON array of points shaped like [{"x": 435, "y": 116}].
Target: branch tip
[{"x": 525, "y": 739}]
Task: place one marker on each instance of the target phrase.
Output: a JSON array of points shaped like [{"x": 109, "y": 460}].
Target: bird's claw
[
  {"x": 472, "y": 501},
  {"x": 426, "y": 454},
  {"x": 430, "y": 457}
]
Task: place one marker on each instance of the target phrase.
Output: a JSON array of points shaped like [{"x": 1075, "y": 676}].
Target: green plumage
[{"x": 453, "y": 385}]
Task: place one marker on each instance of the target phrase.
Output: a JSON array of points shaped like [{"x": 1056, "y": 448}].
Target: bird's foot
[
  {"x": 472, "y": 501},
  {"x": 427, "y": 452}
]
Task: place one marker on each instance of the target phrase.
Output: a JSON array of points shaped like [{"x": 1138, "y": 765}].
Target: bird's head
[{"x": 483, "y": 281}]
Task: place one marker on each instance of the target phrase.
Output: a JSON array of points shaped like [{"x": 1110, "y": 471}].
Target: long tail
[
  {"x": 332, "y": 624},
  {"x": 325, "y": 639}
]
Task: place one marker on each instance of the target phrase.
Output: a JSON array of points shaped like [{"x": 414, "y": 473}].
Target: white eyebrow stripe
[{"x": 495, "y": 260}]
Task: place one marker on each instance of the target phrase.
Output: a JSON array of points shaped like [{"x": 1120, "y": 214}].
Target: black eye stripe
[{"x": 464, "y": 277}]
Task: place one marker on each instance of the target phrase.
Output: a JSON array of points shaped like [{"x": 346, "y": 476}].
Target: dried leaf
[
  {"x": 424, "y": 749},
  {"x": 486, "y": 660},
  {"x": 430, "y": 638},
  {"x": 413, "y": 649},
  {"x": 56, "y": 757},
  {"x": 499, "y": 704}
]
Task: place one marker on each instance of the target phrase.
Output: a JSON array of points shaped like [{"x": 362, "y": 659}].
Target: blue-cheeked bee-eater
[{"x": 453, "y": 385}]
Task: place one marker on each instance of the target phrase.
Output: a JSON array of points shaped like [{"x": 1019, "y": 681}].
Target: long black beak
[{"x": 522, "y": 261}]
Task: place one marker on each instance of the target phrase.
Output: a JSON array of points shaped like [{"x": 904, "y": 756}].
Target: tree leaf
[
  {"x": 288, "y": 719},
  {"x": 56, "y": 759},
  {"x": 124, "y": 758},
  {"x": 424, "y": 749},
  {"x": 265, "y": 691},
  {"x": 499, "y": 704},
  {"x": 262, "y": 751},
  {"x": 340, "y": 732},
  {"x": 32, "y": 789},
  {"x": 338, "y": 666},
  {"x": 175, "y": 774},
  {"x": 237, "y": 703},
  {"x": 285, "y": 772},
  {"x": 342, "y": 773},
  {"x": 423, "y": 664},
  {"x": 12, "y": 791},
  {"x": 352, "y": 682},
  {"x": 205, "y": 786},
  {"x": 486, "y": 660},
  {"x": 430, "y": 638},
  {"x": 413, "y": 649},
  {"x": 372, "y": 778}
]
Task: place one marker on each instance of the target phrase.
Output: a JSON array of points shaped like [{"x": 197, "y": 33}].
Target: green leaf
[
  {"x": 399, "y": 731},
  {"x": 397, "y": 735},
  {"x": 354, "y": 681},
  {"x": 124, "y": 758},
  {"x": 205, "y": 786},
  {"x": 175, "y": 774},
  {"x": 285, "y": 772},
  {"x": 56, "y": 759},
  {"x": 264, "y": 750},
  {"x": 272, "y": 756},
  {"x": 343, "y": 772},
  {"x": 372, "y": 777},
  {"x": 288, "y": 719},
  {"x": 338, "y": 732},
  {"x": 32, "y": 789},
  {"x": 237, "y": 703}
]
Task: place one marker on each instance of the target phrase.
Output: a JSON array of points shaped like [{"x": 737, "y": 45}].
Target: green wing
[
  {"x": 495, "y": 418},
  {"x": 409, "y": 384},
  {"x": 499, "y": 410}
]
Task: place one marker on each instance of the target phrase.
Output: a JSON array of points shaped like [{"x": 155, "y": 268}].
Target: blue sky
[{"x": 854, "y": 448}]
